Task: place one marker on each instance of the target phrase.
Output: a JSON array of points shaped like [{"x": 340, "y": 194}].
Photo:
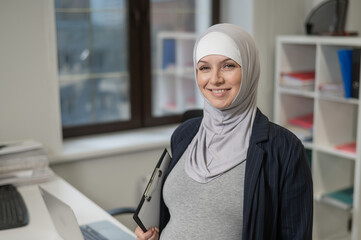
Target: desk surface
[{"x": 40, "y": 225}]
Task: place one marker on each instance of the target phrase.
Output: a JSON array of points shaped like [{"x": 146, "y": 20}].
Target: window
[{"x": 127, "y": 64}]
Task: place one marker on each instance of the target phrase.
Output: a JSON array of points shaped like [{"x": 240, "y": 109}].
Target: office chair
[
  {"x": 122, "y": 210},
  {"x": 192, "y": 113}
]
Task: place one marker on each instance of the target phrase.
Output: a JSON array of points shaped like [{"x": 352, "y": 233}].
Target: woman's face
[{"x": 219, "y": 79}]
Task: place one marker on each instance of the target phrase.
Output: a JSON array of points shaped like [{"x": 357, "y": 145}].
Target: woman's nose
[{"x": 217, "y": 78}]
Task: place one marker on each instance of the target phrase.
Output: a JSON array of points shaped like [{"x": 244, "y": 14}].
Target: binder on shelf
[
  {"x": 305, "y": 121},
  {"x": 300, "y": 79},
  {"x": 348, "y": 147},
  {"x": 342, "y": 198},
  {"x": 169, "y": 46},
  {"x": 355, "y": 73},
  {"x": 345, "y": 61}
]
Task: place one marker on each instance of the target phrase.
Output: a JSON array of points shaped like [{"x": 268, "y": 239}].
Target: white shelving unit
[
  {"x": 336, "y": 120},
  {"x": 174, "y": 82}
]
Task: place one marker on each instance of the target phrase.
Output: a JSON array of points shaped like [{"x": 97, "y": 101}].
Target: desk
[{"x": 40, "y": 226}]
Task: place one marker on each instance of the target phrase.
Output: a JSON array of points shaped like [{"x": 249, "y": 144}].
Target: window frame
[{"x": 139, "y": 55}]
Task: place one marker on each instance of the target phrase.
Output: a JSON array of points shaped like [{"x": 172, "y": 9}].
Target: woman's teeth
[{"x": 219, "y": 91}]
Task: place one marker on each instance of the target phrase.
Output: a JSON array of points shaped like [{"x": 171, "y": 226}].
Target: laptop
[{"x": 68, "y": 228}]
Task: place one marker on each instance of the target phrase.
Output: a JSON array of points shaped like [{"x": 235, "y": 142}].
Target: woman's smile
[{"x": 219, "y": 92}]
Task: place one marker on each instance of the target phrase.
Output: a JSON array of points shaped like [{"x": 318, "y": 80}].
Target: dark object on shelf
[
  {"x": 349, "y": 60},
  {"x": 13, "y": 211},
  {"x": 328, "y": 18},
  {"x": 355, "y": 73}
]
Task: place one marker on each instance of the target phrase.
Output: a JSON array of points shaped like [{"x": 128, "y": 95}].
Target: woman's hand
[{"x": 151, "y": 234}]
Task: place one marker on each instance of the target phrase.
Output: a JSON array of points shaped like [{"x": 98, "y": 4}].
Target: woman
[{"x": 234, "y": 174}]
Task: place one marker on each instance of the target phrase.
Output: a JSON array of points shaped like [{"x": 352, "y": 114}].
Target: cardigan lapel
[{"x": 253, "y": 178}]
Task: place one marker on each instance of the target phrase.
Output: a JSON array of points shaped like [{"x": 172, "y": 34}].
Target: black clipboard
[{"x": 147, "y": 213}]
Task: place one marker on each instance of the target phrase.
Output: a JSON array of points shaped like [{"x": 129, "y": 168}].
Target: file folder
[
  {"x": 345, "y": 60},
  {"x": 147, "y": 213}
]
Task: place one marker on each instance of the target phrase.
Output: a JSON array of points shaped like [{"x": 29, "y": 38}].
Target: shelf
[
  {"x": 297, "y": 92},
  {"x": 174, "y": 75},
  {"x": 318, "y": 40},
  {"x": 322, "y": 201},
  {"x": 336, "y": 121},
  {"x": 343, "y": 236},
  {"x": 186, "y": 72},
  {"x": 339, "y": 99},
  {"x": 339, "y": 153}
]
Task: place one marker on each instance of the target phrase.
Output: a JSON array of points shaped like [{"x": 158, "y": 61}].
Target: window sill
[{"x": 116, "y": 143}]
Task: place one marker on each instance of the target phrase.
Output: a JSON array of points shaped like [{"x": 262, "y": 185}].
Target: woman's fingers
[
  {"x": 151, "y": 234},
  {"x": 142, "y": 235},
  {"x": 155, "y": 235}
]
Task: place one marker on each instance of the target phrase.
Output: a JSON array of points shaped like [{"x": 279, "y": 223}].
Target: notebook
[{"x": 68, "y": 228}]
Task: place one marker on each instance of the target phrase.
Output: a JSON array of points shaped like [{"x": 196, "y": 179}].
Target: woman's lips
[{"x": 219, "y": 92}]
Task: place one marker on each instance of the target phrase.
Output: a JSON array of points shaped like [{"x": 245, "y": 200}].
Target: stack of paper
[
  {"x": 332, "y": 89},
  {"x": 299, "y": 80},
  {"x": 302, "y": 126},
  {"x": 23, "y": 162}
]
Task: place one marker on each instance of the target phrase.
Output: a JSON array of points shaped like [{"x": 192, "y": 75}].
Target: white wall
[
  {"x": 239, "y": 12},
  {"x": 354, "y": 17},
  {"x": 29, "y": 93}
]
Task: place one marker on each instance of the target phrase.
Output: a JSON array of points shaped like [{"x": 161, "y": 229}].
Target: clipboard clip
[{"x": 147, "y": 193}]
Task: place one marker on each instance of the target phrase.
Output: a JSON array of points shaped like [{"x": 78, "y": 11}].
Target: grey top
[{"x": 210, "y": 210}]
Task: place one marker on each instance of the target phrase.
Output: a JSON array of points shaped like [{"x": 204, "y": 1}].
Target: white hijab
[{"x": 223, "y": 137}]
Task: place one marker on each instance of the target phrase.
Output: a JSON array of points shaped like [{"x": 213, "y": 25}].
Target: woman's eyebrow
[
  {"x": 222, "y": 61},
  {"x": 202, "y": 61},
  {"x": 227, "y": 59}
]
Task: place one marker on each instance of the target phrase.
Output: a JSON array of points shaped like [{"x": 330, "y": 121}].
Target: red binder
[
  {"x": 298, "y": 78},
  {"x": 348, "y": 147},
  {"x": 305, "y": 121}
]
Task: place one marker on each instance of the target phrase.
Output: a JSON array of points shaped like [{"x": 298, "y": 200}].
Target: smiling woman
[{"x": 233, "y": 174}]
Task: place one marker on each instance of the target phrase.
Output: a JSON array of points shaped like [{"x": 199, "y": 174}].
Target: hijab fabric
[{"x": 223, "y": 137}]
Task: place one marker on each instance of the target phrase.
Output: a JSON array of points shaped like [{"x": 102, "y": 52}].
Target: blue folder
[
  {"x": 345, "y": 60},
  {"x": 169, "y": 56}
]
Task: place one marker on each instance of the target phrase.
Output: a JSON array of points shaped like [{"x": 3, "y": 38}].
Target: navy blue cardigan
[{"x": 278, "y": 188}]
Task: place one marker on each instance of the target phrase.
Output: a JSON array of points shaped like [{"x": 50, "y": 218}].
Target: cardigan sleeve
[{"x": 297, "y": 197}]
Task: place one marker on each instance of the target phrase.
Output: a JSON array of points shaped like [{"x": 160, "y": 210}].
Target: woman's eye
[
  {"x": 229, "y": 65},
  {"x": 203, "y": 68}
]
